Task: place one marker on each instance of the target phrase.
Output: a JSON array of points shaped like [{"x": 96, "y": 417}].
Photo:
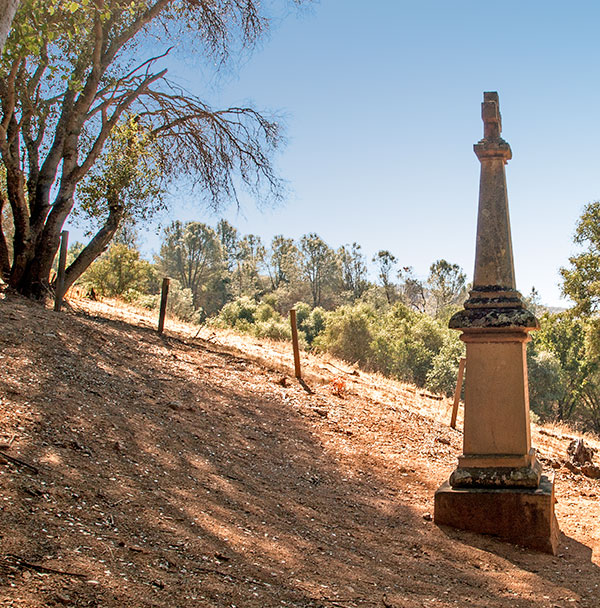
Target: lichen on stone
[{"x": 500, "y": 318}]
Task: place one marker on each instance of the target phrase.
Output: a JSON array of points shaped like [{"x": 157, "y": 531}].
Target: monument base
[
  {"x": 500, "y": 471},
  {"x": 523, "y": 516}
]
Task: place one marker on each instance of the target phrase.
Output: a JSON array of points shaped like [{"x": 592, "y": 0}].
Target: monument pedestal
[{"x": 523, "y": 516}]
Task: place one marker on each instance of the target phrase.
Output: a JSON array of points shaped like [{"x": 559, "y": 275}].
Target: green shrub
[
  {"x": 119, "y": 270},
  {"x": 265, "y": 312},
  {"x": 180, "y": 304},
  {"x": 143, "y": 299},
  {"x": 426, "y": 341},
  {"x": 392, "y": 345},
  {"x": 406, "y": 344},
  {"x": 546, "y": 383},
  {"x": 261, "y": 320},
  {"x": 239, "y": 314},
  {"x": 348, "y": 334},
  {"x": 303, "y": 311},
  {"x": 395, "y": 341},
  {"x": 270, "y": 299},
  {"x": 441, "y": 377},
  {"x": 273, "y": 328},
  {"x": 133, "y": 296},
  {"x": 310, "y": 322}
]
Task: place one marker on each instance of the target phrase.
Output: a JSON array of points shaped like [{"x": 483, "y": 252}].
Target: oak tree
[
  {"x": 581, "y": 280},
  {"x": 8, "y": 8},
  {"x": 72, "y": 72}
]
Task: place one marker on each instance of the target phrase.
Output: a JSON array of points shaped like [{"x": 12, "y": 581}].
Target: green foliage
[
  {"x": 399, "y": 343},
  {"x": 260, "y": 320},
  {"x": 192, "y": 254},
  {"x": 179, "y": 303},
  {"x": 446, "y": 284},
  {"x": 407, "y": 343},
  {"x": 581, "y": 282},
  {"x": 239, "y": 314},
  {"x": 564, "y": 377},
  {"x": 310, "y": 322},
  {"x": 319, "y": 268},
  {"x": 283, "y": 262},
  {"x": 228, "y": 237},
  {"x": 118, "y": 270},
  {"x": 274, "y": 328},
  {"x": 546, "y": 383},
  {"x": 349, "y": 334},
  {"x": 266, "y": 311},
  {"x": 441, "y": 377},
  {"x": 303, "y": 311},
  {"x": 48, "y": 30},
  {"x": 353, "y": 270},
  {"x": 385, "y": 263},
  {"x": 129, "y": 174},
  {"x": 246, "y": 279}
]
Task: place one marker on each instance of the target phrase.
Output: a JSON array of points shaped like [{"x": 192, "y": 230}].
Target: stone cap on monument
[{"x": 492, "y": 145}]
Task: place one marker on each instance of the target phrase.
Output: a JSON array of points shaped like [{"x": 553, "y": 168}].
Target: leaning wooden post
[
  {"x": 295, "y": 344},
  {"x": 62, "y": 263},
  {"x": 163, "y": 304},
  {"x": 459, "y": 382}
]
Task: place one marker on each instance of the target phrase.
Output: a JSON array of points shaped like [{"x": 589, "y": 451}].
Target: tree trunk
[
  {"x": 95, "y": 247},
  {"x": 4, "y": 257},
  {"x": 8, "y": 8},
  {"x": 31, "y": 278},
  {"x": 22, "y": 243}
]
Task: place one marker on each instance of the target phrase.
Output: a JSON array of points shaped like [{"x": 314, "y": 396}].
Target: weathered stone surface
[
  {"x": 496, "y": 420},
  {"x": 494, "y": 254},
  {"x": 497, "y": 487},
  {"x": 521, "y": 516},
  {"x": 494, "y": 317},
  {"x": 493, "y": 302},
  {"x": 498, "y": 477}
]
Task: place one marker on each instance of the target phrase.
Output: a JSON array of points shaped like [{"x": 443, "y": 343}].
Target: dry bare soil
[{"x": 194, "y": 470}]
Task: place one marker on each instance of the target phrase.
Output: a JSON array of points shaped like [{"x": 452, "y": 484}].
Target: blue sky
[{"x": 382, "y": 108}]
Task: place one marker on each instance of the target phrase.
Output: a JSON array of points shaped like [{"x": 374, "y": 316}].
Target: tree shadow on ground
[
  {"x": 572, "y": 568},
  {"x": 174, "y": 473}
]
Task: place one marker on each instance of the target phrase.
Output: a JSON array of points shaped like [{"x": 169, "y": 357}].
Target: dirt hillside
[{"x": 192, "y": 469}]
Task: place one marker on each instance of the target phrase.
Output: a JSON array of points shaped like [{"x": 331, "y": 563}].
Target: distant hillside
[{"x": 554, "y": 310}]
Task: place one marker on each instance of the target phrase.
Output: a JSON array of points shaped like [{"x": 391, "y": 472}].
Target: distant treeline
[{"x": 396, "y": 325}]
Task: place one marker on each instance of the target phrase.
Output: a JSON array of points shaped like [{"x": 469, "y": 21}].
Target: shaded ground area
[{"x": 195, "y": 471}]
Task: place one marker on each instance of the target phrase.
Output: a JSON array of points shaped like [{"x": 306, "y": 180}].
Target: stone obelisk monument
[{"x": 498, "y": 487}]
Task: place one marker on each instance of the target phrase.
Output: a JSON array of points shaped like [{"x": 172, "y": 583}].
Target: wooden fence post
[
  {"x": 295, "y": 344},
  {"x": 163, "y": 304},
  {"x": 62, "y": 263},
  {"x": 459, "y": 381}
]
